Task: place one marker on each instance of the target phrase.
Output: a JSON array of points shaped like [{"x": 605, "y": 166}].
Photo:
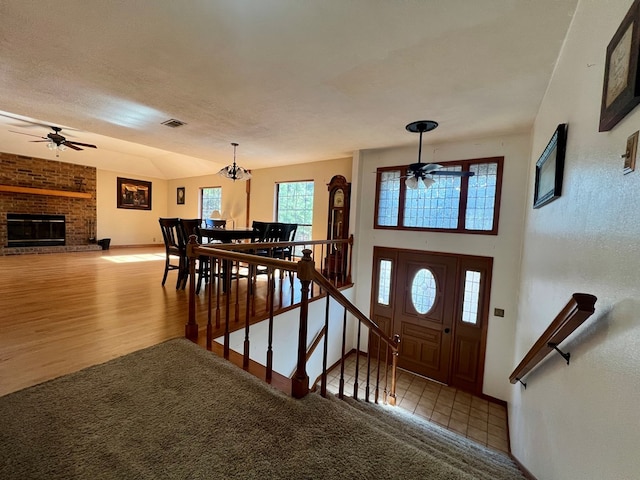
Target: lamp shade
[
  {"x": 411, "y": 182},
  {"x": 428, "y": 181}
]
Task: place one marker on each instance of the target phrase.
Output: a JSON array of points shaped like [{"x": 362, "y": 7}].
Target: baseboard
[
  {"x": 146, "y": 245},
  {"x": 522, "y": 468},
  {"x": 331, "y": 367},
  {"x": 491, "y": 399}
]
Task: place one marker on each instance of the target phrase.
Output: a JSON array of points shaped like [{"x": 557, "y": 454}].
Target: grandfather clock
[{"x": 335, "y": 263}]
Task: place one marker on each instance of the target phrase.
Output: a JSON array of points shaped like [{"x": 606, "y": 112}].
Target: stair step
[{"x": 447, "y": 446}]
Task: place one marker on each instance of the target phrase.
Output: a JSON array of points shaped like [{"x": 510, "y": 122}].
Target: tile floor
[{"x": 473, "y": 417}]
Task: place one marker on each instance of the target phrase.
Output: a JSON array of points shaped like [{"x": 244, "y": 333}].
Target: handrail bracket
[{"x": 566, "y": 356}]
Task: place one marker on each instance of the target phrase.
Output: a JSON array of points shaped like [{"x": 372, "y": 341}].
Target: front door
[
  {"x": 438, "y": 304},
  {"x": 423, "y": 313}
]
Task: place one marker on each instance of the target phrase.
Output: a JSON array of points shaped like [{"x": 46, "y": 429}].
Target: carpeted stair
[
  {"x": 443, "y": 444},
  {"x": 176, "y": 411}
]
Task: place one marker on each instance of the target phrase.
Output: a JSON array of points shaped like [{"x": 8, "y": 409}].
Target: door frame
[{"x": 464, "y": 262}]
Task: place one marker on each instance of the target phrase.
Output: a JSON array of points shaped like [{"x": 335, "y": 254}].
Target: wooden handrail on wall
[{"x": 579, "y": 308}]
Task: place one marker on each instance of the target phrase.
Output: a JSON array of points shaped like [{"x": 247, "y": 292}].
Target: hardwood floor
[{"x": 63, "y": 312}]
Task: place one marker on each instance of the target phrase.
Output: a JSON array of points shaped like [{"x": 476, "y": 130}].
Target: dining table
[{"x": 226, "y": 235}]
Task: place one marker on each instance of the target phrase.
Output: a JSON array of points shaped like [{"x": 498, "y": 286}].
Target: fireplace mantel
[{"x": 43, "y": 191}]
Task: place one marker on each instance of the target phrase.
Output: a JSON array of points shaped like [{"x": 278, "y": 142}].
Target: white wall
[
  {"x": 581, "y": 421},
  {"x": 125, "y": 226},
  {"x": 285, "y": 338},
  {"x": 504, "y": 247}
]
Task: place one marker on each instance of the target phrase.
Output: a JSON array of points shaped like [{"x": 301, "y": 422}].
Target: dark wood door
[
  {"x": 382, "y": 302},
  {"x": 439, "y": 305},
  {"x": 423, "y": 313},
  {"x": 471, "y": 323}
]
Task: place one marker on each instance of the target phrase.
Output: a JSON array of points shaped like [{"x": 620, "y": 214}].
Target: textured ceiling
[{"x": 291, "y": 81}]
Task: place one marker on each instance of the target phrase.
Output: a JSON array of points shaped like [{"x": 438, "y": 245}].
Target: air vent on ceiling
[{"x": 173, "y": 123}]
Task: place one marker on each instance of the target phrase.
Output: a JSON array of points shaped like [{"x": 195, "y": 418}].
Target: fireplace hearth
[{"x": 27, "y": 230}]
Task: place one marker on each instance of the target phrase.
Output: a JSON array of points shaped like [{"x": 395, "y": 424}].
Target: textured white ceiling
[{"x": 291, "y": 81}]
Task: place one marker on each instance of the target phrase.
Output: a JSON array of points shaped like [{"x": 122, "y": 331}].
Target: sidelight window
[
  {"x": 471, "y": 298},
  {"x": 384, "y": 282}
]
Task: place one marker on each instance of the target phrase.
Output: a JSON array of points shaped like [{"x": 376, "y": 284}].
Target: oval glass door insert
[{"x": 423, "y": 291}]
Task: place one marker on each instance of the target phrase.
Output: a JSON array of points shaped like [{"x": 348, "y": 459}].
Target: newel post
[
  {"x": 300, "y": 381},
  {"x": 191, "y": 328},
  {"x": 350, "y": 258}
]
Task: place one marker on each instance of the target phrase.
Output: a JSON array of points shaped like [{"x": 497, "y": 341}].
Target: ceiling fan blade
[
  {"x": 430, "y": 167},
  {"x": 453, "y": 174},
  {"x": 70, "y": 145},
  {"x": 30, "y": 134},
  {"x": 37, "y": 141},
  {"x": 32, "y": 123},
  {"x": 81, "y": 144}
]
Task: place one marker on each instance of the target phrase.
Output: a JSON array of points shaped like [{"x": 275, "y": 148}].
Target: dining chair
[
  {"x": 192, "y": 227},
  {"x": 288, "y": 234},
  {"x": 215, "y": 223},
  {"x": 174, "y": 247},
  {"x": 259, "y": 229}
]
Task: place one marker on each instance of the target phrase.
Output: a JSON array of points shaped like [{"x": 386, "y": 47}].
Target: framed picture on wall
[
  {"x": 180, "y": 195},
  {"x": 621, "y": 89},
  {"x": 133, "y": 194},
  {"x": 550, "y": 168}
]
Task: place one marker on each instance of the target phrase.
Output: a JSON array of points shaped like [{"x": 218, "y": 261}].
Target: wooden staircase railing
[
  {"x": 306, "y": 276},
  {"x": 578, "y": 309}
]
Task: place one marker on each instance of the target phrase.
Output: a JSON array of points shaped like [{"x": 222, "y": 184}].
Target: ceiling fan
[
  {"x": 424, "y": 172},
  {"x": 56, "y": 141}
]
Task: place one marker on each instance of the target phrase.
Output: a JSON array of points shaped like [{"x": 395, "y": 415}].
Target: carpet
[{"x": 176, "y": 411}]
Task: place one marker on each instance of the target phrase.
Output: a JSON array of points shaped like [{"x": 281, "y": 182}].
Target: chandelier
[{"x": 234, "y": 172}]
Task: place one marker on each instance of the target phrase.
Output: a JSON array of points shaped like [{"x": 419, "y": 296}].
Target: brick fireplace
[{"x": 34, "y": 188}]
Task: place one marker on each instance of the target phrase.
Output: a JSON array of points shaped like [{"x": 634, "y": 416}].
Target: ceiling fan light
[
  {"x": 411, "y": 182},
  {"x": 428, "y": 181}
]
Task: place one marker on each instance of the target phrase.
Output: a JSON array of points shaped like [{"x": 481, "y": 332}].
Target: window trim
[{"x": 464, "y": 184}]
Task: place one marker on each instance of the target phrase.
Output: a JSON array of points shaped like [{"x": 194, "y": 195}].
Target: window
[
  {"x": 451, "y": 204},
  {"x": 423, "y": 291},
  {"x": 471, "y": 297},
  {"x": 210, "y": 200},
  {"x": 295, "y": 205},
  {"x": 384, "y": 282}
]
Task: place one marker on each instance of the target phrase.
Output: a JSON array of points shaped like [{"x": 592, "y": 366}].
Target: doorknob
[{"x": 447, "y": 330}]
